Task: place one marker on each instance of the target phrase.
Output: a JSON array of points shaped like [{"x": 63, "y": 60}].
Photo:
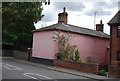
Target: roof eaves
[
  {"x": 51, "y": 27},
  {"x": 61, "y": 27},
  {"x": 100, "y": 36}
]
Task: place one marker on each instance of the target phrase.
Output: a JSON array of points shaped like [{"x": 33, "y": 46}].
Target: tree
[{"x": 18, "y": 22}]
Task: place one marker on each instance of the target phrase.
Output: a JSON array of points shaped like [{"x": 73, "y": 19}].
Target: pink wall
[
  {"x": 45, "y": 47},
  {"x": 92, "y": 46}
]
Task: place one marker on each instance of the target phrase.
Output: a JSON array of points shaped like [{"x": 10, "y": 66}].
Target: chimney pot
[
  {"x": 100, "y": 21},
  {"x": 64, "y": 9},
  {"x": 62, "y": 17}
]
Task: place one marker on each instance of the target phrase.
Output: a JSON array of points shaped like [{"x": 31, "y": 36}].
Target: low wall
[
  {"x": 8, "y": 53},
  {"x": 21, "y": 55},
  {"x": 89, "y": 68},
  {"x": 43, "y": 61},
  {"x": 114, "y": 72},
  {"x": 114, "y": 69}
]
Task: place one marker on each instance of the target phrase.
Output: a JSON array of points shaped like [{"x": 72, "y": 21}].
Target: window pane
[
  {"x": 119, "y": 27},
  {"x": 118, "y": 56},
  {"x": 118, "y": 32}
]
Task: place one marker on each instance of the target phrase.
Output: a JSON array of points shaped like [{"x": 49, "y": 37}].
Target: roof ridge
[
  {"x": 87, "y": 29},
  {"x": 75, "y": 29},
  {"x": 70, "y": 25},
  {"x": 49, "y": 26}
]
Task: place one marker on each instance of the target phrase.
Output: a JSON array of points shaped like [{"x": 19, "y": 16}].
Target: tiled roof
[
  {"x": 74, "y": 29},
  {"x": 115, "y": 20}
]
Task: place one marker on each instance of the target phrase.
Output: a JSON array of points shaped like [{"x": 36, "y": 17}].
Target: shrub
[
  {"x": 59, "y": 56},
  {"x": 66, "y": 51},
  {"x": 80, "y": 61},
  {"x": 77, "y": 57},
  {"x": 103, "y": 73},
  {"x": 90, "y": 59}
]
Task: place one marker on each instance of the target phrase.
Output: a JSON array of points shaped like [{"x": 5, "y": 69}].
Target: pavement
[{"x": 69, "y": 71}]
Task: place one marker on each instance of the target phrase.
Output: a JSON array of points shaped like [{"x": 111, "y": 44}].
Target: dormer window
[{"x": 118, "y": 29}]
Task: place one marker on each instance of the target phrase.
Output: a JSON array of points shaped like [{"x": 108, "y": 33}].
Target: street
[{"x": 12, "y": 69}]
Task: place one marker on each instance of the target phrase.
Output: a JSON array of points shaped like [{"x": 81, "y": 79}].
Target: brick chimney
[
  {"x": 99, "y": 27},
  {"x": 62, "y": 17}
]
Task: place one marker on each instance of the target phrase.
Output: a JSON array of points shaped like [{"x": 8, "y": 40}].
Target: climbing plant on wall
[{"x": 66, "y": 51}]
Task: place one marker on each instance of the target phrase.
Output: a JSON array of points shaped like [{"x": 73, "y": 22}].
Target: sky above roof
[{"x": 83, "y": 13}]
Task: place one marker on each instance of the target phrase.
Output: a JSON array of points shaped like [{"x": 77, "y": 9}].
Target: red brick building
[{"x": 114, "y": 68}]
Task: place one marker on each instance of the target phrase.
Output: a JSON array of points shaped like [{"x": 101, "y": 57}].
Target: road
[{"x": 12, "y": 69}]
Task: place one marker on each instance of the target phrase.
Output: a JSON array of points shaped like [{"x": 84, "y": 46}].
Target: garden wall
[
  {"x": 21, "y": 55},
  {"x": 114, "y": 69},
  {"x": 7, "y": 50},
  {"x": 7, "y": 53},
  {"x": 84, "y": 67}
]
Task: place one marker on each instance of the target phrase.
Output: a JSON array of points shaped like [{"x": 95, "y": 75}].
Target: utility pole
[
  {"x": 119, "y": 5},
  {"x": 95, "y": 20}
]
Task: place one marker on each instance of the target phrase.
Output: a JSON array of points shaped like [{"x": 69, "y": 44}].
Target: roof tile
[
  {"x": 74, "y": 29},
  {"x": 115, "y": 20}
]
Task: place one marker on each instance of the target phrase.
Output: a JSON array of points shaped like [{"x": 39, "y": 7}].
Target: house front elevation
[{"x": 94, "y": 43}]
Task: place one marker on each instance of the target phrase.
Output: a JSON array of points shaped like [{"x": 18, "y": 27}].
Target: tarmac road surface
[{"x": 12, "y": 70}]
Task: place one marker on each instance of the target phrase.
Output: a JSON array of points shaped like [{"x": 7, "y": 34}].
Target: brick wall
[
  {"x": 89, "y": 68},
  {"x": 114, "y": 69},
  {"x": 114, "y": 72},
  {"x": 114, "y": 43}
]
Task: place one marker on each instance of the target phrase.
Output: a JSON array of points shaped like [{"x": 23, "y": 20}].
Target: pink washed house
[{"x": 93, "y": 43}]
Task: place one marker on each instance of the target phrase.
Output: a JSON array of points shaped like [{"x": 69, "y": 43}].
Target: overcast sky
[{"x": 80, "y": 12}]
